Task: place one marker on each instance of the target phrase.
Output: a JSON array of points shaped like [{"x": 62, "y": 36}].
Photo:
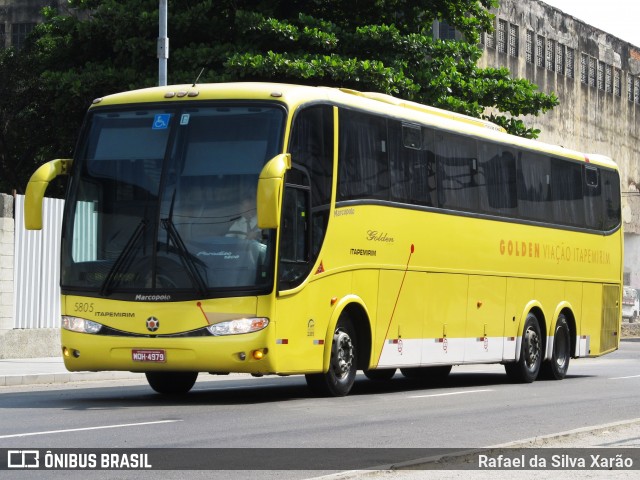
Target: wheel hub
[
  {"x": 532, "y": 348},
  {"x": 344, "y": 354}
]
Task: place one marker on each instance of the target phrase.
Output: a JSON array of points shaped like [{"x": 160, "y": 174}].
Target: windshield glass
[{"x": 163, "y": 200}]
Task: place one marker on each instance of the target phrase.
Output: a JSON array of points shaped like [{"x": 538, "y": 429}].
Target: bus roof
[{"x": 295, "y": 95}]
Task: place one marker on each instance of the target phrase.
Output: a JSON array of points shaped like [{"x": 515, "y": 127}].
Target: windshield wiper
[
  {"x": 189, "y": 261},
  {"x": 123, "y": 257}
]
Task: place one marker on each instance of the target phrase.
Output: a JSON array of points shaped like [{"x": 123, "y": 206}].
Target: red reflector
[{"x": 282, "y": 341}]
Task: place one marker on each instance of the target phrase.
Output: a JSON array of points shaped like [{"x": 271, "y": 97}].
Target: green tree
[{"x": 105, "y": 46}]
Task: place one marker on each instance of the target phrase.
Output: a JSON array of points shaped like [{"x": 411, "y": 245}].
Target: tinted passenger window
[
  {"x": 566, "y": 192},
  {"x": 457, "y": 166},
  {"x": 412, "y": 164},
  {"x": 611, "y": 194},
  {"x": 593, "y": 208},
  {"x": 364, "y": 169},
  {"x": 497, "y": 179},
  {"x": 312, "y": 147},
  {"x": 534, "y": 178}
]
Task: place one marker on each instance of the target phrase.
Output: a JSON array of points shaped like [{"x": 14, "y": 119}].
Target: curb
[
  {"x": 64, "y": 377},
  {"x": 541, "y": 441},
  {"x": 452, "y": 458}
]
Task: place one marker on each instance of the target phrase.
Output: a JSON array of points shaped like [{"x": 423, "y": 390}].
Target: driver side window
[
  {"x": 295, "y": 233},
  {"x": 307, "y": 195}
]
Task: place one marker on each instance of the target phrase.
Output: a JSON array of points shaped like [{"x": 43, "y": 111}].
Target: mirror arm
[{"x": 36, "y": 188}]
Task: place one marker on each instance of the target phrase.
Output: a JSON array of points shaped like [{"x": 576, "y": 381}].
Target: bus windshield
[{"x": 163, "y": 201}]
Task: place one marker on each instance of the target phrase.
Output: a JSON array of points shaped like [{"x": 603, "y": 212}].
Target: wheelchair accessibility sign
[{"x": 161, "y": 121}]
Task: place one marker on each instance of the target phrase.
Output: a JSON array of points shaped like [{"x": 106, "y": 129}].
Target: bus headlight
[
  {"x": 81, "y": 325},
  {"x": 236, "y": 327}
]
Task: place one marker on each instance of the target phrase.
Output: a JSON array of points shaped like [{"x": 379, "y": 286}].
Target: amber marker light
[{"x": 258, "y": 354}]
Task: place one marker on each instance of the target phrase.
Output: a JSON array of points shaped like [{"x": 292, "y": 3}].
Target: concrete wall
[
  {"x": 6, "y": 262},
  {"x": 18, "y": 16},
  {"x": 588, "y": 119},
  {"x": 17, "y": 343},
  {"x": 591, "y": 118}
]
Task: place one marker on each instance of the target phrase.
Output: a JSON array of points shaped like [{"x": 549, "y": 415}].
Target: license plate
[{"x": 154, "y": 356}]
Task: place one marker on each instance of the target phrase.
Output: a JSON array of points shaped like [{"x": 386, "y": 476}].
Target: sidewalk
[{"x": 31, "y": 371}]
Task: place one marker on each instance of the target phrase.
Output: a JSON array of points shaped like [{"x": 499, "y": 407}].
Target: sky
[{"x": 617, "y": 17}]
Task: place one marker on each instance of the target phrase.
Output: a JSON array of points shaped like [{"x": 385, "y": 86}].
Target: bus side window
[
  {"x": 311, "y": 147},
  {"x": 411, "y": 164},
  {"x": 611, "y": 198},
  {"x": 295, "y": 239},
  {"x": 567, "y": 192},
  {"x": 457, "y": 160},
  {"x": 593, "y": 207},
  {"x": 497, "y": 179},
  {"x": 364, "y": 166},
  {"x": 534, "y": 192}
]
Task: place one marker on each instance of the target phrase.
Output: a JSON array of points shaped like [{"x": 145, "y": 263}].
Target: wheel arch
[
  {"x": 534, "y": 308},
  {"x": 542, "y": 323},
  {"x": 355, "y": 308},
  {"x": 570, "y": 318}
]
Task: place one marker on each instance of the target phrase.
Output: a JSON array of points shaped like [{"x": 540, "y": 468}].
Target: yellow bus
[{"x": 280, "y": 229}]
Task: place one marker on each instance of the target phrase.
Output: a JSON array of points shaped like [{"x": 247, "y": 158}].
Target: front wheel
[
  {"x": 171, "y": 383},
  {"x": 556, "y": 368},
  {"x": 526, "y": 369},
  {"x": 343, "y": 365}
]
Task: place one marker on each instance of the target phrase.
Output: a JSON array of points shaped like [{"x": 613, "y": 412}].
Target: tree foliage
[{"x": 104, "y": 46}]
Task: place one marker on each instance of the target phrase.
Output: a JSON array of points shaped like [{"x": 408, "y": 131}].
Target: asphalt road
[{"x": 476, "y": 407}]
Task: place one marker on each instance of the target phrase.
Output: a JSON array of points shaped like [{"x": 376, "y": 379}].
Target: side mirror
[
  {"x": 36, "y": 187},
  {"x": 270, "y": 187}
]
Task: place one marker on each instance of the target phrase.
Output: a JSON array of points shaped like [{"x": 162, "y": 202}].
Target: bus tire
[
  {"x": 526, "y": 369},
  {"x": 343, "y": 364},
  {"x": 171, "y": 383},
  {"x": 381, "y": 374},
  {"x": 439, "y": 372},
  {"x": 556, "y": 368}
]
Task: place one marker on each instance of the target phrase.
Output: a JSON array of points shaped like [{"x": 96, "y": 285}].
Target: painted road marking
[
  {"x": 623, "y": 378},
  {"x": 30, "y": 434},
  {"x": 450, "y": 393}
]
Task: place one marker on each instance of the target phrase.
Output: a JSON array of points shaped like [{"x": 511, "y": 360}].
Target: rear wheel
[
  {"x": 171, "y": 383},
  {"x": 526, "y": 369},
  {"x": 556, "y": 368},
  {"x": 340, "y": 377}
]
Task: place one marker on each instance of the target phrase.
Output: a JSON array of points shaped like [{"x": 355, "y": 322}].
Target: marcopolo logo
[
  {"x": 153, "y": 324},
  {"x": 152, "y": 298}
]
